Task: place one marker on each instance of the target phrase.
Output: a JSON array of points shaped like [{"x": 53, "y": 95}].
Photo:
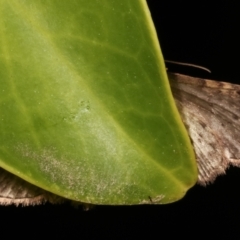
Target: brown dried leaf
[{"x": 210, "y": 111}]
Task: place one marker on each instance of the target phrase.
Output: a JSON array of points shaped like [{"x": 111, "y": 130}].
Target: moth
[{"x": 210, "y": 111}]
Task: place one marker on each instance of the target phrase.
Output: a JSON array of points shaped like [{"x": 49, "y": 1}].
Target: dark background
[{"x": 192, "y": 32}]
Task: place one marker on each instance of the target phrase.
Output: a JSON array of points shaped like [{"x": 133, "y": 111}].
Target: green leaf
[{"x": 86, "y": 108}]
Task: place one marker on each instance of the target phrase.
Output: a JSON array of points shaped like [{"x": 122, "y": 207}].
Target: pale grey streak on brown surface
[
  {"x": 14, "y": 190},
  {"x": 211, "y": 113}
]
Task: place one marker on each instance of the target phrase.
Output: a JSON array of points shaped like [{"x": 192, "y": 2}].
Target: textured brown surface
[{"x": 210, "y": 111}]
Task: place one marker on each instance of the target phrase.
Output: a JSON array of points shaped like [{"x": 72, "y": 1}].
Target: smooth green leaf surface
[{"x": 86, "y": 110}]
